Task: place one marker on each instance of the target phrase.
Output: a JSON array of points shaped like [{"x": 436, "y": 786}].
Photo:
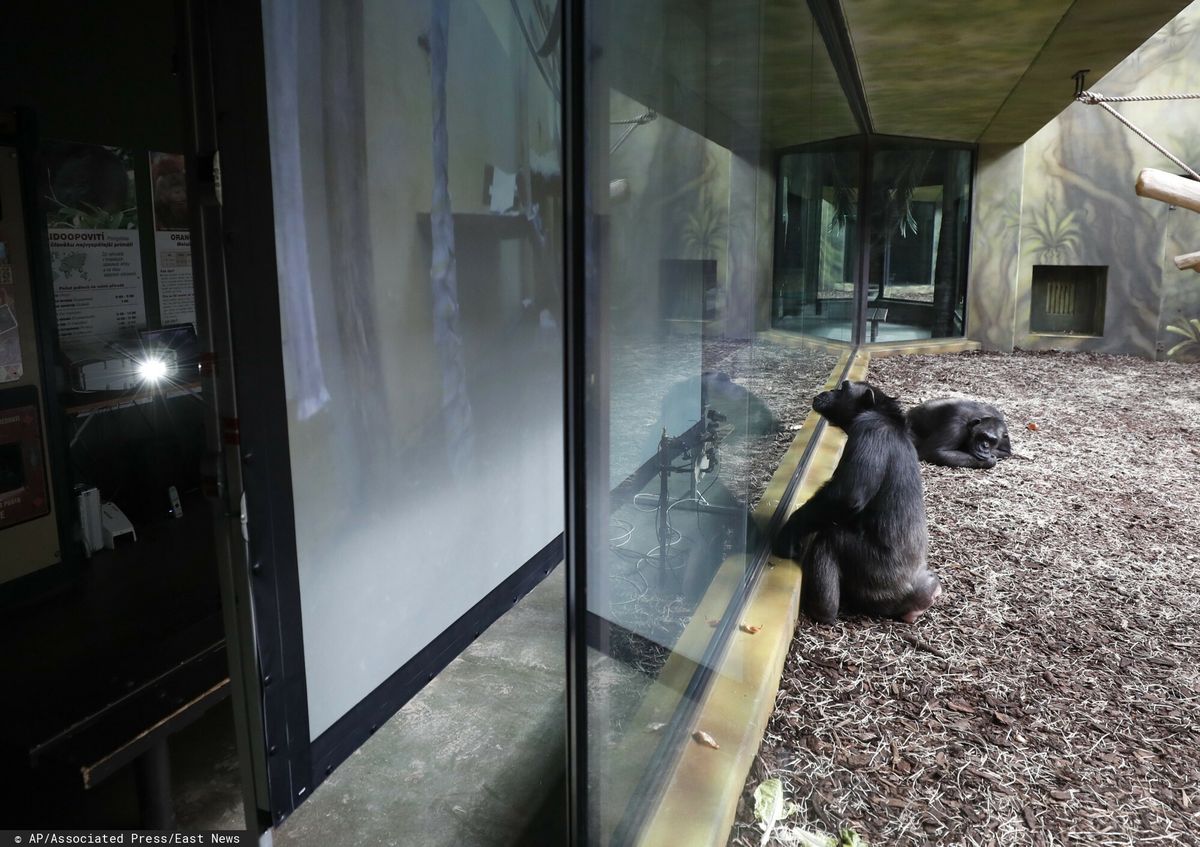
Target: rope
[
  {"x": 643, "y": 118},
  {"x": 634, "y": 123},
  {"x": 1090, "y": 98}
]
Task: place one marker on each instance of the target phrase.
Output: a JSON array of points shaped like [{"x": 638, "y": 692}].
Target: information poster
[
  {"x": 11, "y": 365},
  {"x": 92, "y": 219},
  {"x": 172, "y": 239},
  {"x": 23, "y": 494}
]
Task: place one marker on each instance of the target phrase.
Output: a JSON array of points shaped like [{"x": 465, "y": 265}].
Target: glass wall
[
  {"x": 817, "y": 248},
  {"x": 914, "y": 201},
  {"x": 415, "y": 156},
  {"x": 692, "y": 398},
  {"x": 919, "y": 208}
]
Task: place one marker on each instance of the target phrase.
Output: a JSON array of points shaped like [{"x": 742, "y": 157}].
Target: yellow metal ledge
[
  {"x": 923, "y": 346},
  {"x": 916, "y": 347},
  {"x": 700, "y": 800},
  {"x": 812, "y": 342}
]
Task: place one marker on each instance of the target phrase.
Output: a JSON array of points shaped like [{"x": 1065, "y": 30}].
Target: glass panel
[
  {"x": 419, "y": 201},
  {"x": 817, "y": 250},
  {"x": 919, "y": 209},
  {"x": 694, "y": 398}
]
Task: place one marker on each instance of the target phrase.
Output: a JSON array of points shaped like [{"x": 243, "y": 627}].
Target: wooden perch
[
  {"x": 1176, "y": 190},
  {"x": 1188, "y": 260}
]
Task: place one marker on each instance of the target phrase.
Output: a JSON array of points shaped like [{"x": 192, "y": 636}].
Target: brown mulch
[{"x": 1053, "y": 695}]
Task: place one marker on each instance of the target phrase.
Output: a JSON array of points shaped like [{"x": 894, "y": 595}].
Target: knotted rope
[{"x": 1091, "y": 98}]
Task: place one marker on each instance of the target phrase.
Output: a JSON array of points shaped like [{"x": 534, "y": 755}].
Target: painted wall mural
[
  {"x": 1067, "y": 199},
  {"x": 995, "y": 242}
]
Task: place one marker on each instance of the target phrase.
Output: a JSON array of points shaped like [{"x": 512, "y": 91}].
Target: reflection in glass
[
  {"x": 697, "y": 399},
  {"x": 916, "y": 225},
  {"x": 919, "y": 207},
  {"x": 415, "y": 165},
  {"x": 817, "y": 248}
]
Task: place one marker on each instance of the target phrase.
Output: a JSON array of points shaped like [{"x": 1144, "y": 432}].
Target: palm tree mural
[
  {"x": 706, "y": 226},
  {"x": 1187, "y": 350},
  {"x": 1053, "y": 237}
]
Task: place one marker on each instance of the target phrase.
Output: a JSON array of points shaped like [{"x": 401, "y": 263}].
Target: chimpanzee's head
[
  {"x": 983, "y": 437},
  {"x": 843, "y": 404}
]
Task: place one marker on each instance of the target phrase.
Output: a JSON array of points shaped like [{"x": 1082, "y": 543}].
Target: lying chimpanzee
[
  {"x": 959, "y": 433},
  {"x": 862, "y": 538}
]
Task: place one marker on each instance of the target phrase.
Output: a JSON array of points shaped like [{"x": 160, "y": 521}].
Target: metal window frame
[
  {"x": 575, "y": 407},
  {"x": 835, "y": 33}
]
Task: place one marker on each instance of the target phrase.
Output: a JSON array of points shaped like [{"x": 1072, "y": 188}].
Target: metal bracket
[{"x": 1080, "y": 78}]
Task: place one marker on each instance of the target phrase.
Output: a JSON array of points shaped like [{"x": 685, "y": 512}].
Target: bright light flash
[{"x": 152, "y": 369}]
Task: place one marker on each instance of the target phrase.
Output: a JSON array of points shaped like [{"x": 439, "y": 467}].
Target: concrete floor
[
  {"x": 477, "y": 757},
  {"x": 205, "y": 784}
]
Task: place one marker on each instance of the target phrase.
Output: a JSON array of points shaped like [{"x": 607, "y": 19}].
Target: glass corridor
[{"x": 871, "y": 239}]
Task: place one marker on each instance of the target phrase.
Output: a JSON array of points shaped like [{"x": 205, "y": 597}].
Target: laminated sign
[
  {"x": 92, "y": 220},
  {"x": 23, "y": 494},
  {"x": 172, "y": 239}
]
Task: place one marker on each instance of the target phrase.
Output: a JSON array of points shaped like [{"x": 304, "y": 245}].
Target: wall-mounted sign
[
  {"x": 172, "y": 239},
  {"x": 11, "y": 365},
  {"x": 92, "y": 219},
  {"x": 23, "y": 490}
]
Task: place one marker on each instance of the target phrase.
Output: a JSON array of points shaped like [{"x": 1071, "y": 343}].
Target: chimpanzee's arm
[
  {"x": 1004, "y": 448},
  {"x": 854, "y": 484},
  {"x": 953, "y": 457},
  {"x": 944, "y": 445}
]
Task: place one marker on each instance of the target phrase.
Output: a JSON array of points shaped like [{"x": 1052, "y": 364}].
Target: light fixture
[{"x": 152, "y": 369}]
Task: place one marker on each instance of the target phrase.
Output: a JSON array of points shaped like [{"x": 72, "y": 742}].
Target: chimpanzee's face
[
  {"x": 985, "y": 436},
  {"x": 841, "y": 405}
]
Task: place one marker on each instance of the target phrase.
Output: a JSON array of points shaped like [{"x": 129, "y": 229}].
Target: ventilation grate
[
  {"x": 1068, "y": 299},
  {"x": 1060, "y": 298}
]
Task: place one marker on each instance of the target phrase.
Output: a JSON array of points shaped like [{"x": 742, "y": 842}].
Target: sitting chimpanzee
[
  {"x": 959, "y": 433},
  {"x": 862, "y": 539}
]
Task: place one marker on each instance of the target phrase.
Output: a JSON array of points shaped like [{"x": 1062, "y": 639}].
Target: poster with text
[
  {"x": 12, "y": 366},
  {"x": 172, "y": 239},
  {"x": 92, "y": 218}
]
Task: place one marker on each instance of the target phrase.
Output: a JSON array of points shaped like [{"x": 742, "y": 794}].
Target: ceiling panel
[
  {"x": 1093, "y": 35},
  {"x": 995, "y": 70},
  {"x": 964, "y": 70}
]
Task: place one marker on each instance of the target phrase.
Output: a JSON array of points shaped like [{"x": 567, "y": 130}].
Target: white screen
[{"x": 425, "y": 407}]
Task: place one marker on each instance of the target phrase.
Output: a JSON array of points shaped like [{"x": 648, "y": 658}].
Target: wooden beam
[
  {"x": 1176, "y": 190},
  {"x": 1188, "y": 260}
]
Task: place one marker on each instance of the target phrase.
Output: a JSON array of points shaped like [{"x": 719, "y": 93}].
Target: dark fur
[
  {"x": 959, "y": 433},
  {"x": 862, "y": 539}
]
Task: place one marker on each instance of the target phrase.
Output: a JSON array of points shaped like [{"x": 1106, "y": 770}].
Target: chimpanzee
[
  {"x": 959, "y": 433},
  {"x": 862, "y": 539}
]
